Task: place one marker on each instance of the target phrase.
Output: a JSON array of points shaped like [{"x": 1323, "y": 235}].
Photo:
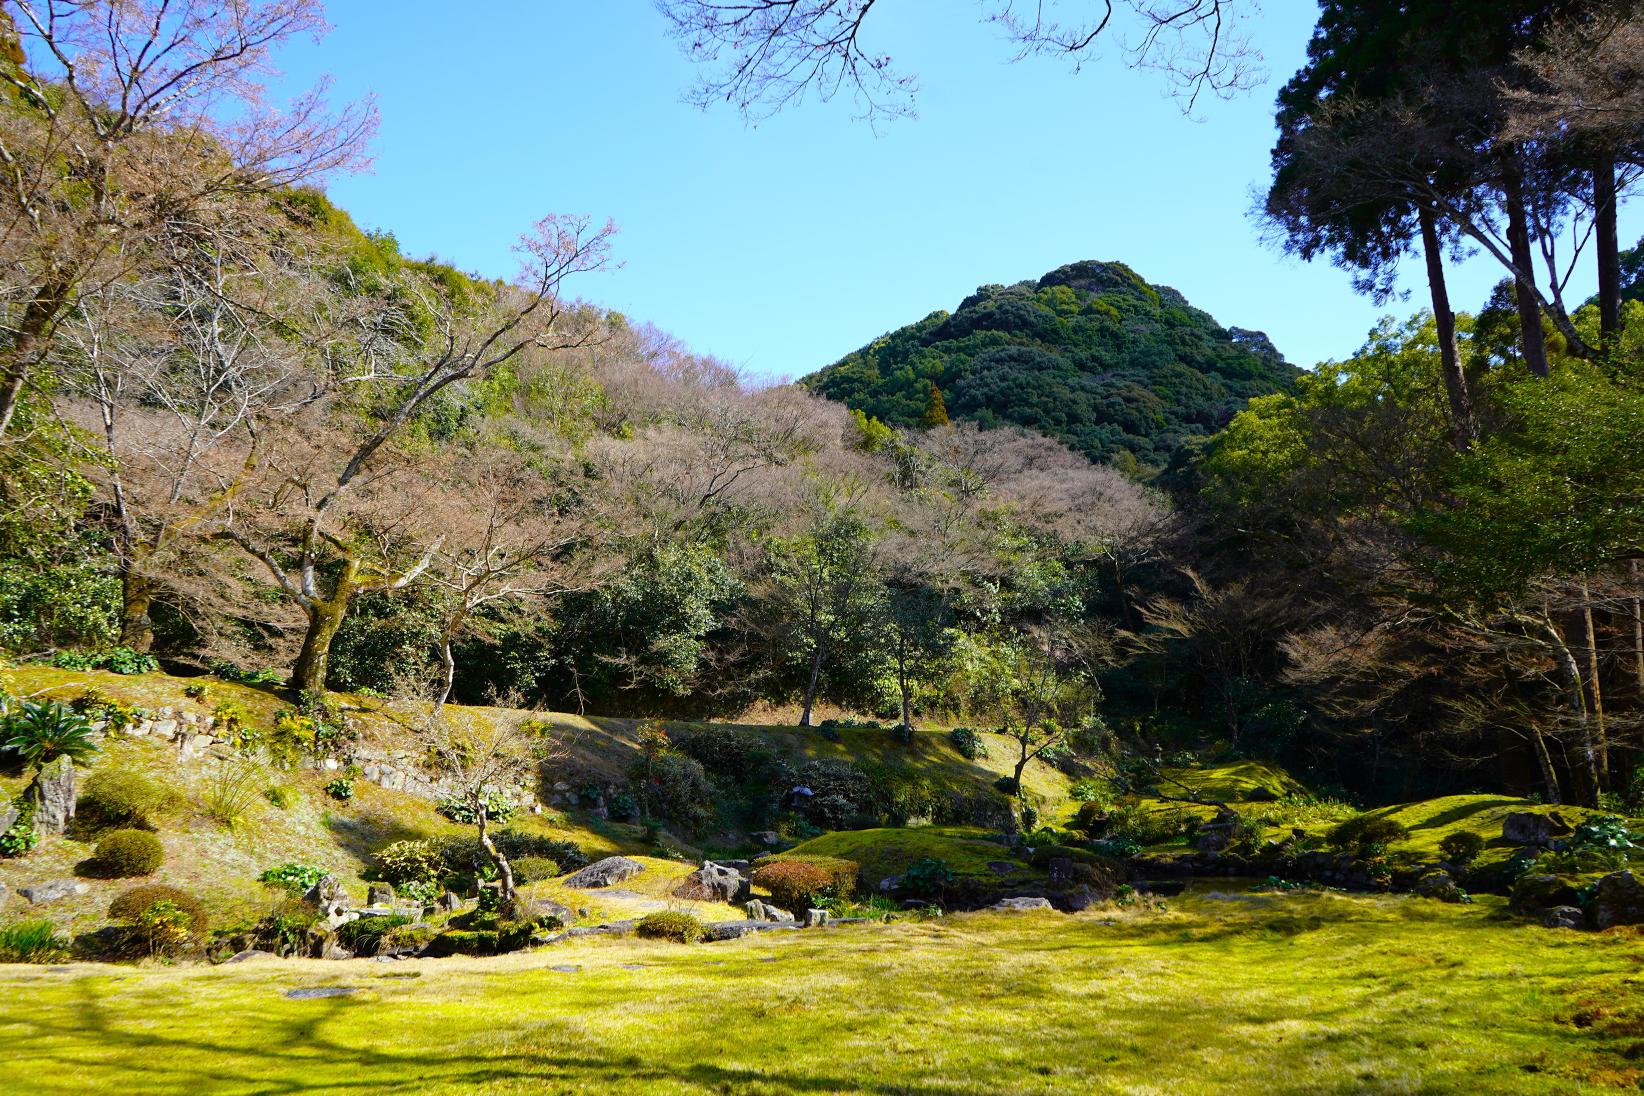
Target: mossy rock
[
  {"x": 883, "y": 853},
  {"x": 1534, "y": 892}
]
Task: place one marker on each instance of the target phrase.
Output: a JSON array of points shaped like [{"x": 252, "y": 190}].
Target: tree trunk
[
  {"x": 136, "y": 598},
  {"x": 907, "y": 693},
  {"x": 1608, "y": 246},
  {"x": 1595, "y": 690},
  {"x": 18, "y": 361},
  {"x": 324, "y": 620},
  {"x": 1638, "y": 631},
  {"x": 810, "y": 687},
  {"x": 1021, "y": 767},
  {"x": 448, "y": 671},
  {"x": 1578, "y": 703},
  {"x": 1455, "y": 379},
  {"x": 505, "y": 870},
  {"x": 1549, "y": 775},
  {"x": 1533, "y": 343}
]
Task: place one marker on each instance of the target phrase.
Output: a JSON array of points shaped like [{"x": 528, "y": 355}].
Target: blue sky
[{"x": 781, "y": 247}]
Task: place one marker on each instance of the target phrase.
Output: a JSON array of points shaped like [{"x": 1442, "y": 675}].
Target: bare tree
[
  {"x": 129, "y": 115},
  {"x": 767, "y": 55},
  {"x": 299, "y": 525},
  {"x": 1042, "y": 686}
]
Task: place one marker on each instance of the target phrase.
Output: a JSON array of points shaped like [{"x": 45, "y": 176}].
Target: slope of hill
[{"x": 1089, "y": 354}]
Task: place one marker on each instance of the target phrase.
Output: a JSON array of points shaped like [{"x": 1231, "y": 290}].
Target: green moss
[
  {"x": 1287, "y": 995},
  {"x": 886, "y": 852},
  {"x": 1235, "y": 781}
]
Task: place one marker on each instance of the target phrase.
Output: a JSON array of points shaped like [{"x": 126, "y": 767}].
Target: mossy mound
[
  {"x": 883, "y": 853},
  {"x": 1234, "y": 782}
]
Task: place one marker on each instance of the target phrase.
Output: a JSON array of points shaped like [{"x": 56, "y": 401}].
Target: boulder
[
  {"x": 769, "y": 838},
  {"x": 1617, "y": 900},
  {"x": 331, "y": 949},
  {"x": 1537, "y": 892},
  {"x": 1077, "y": 899},
  {"x": 1061, "y": 871},
  {"x": 815, "y": 919},
  {"x": 1564, "y": 917},
  {"x": 714, "y": 883},
  {"x": 764, "y": 911},
  {"x": 8, "y": 816},
  {"x": 732, "y": 930},
  {"x": 53, "y": 795},
  {"x": 1220, "y": 832},
  {"x": 379, "y": 894},
  {"x": 1530, "y": 828},
  {"x": 328, "y": 891},
  {"x": 605, "y": 873},
  {"x": 448, "y": 903},
  {"x": 1439, "y": 885},
  {"x": 1021, "y": 905},
  {"x": 53, "y": 890},
  {"x": 545, "y": 910}
]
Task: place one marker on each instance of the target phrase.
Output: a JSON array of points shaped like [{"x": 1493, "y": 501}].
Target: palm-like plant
[{"x": 41, "y": 731}]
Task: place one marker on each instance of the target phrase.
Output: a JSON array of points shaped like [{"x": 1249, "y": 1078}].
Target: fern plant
[{"x": 42, "y": 731}]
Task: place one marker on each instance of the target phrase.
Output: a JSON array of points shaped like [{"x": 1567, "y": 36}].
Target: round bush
[
  {"x": 123, "y": 797},
  {"x": 533, "y": 869},
  {"x": 126, "y": 853},
  {"x": 793, "y": 885},
  {"x": 681, "y": 928},
  {"x": 1461, "y": 847},
  {"x": 132, "y": 904},
  {"x": 1365, "y": 835}
]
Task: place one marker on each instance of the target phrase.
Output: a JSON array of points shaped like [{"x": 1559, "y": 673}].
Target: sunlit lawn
[{"x": 1295, "y": 994}]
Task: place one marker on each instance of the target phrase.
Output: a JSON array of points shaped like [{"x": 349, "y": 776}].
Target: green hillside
[{"x": 1090, "y": 354}]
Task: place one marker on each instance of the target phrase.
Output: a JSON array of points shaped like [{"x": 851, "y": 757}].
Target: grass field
[{"x": 1282, "y": 994}]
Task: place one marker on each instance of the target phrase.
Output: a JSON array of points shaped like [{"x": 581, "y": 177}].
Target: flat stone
[
  {"x": 564, "y": 968},
  {"x": 316, "y": 992},
  {"x": 1021, "y": 905},
  {"x": 732, "y": 930},
  {"x": 53, "y": 890},
  {"x": 250, "y": 955}
]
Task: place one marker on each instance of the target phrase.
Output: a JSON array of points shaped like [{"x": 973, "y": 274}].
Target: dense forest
[{"x": 1090, "y": 354}]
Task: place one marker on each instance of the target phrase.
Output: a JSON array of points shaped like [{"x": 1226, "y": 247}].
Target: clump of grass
[
  {"x": 31, "y": 941},
  {"x": 230, "y": 793}
]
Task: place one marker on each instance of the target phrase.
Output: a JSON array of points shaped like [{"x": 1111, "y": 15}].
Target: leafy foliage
[
  {"x": 31, "y": 941},
  {"x": 125, "y": 853},
  {"x": 41, "y": 731},
  {"x": 296, "y": 878},
  {"x": 681, "y": 928},
  {"x": 1090, "y": 355}
]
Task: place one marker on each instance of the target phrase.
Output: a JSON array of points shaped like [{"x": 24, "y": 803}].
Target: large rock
[
  {"x": 714, "y": 883},
  {"x": 250, "y": 955},
  {"x": 732, "y": 930},
  {"x": 1617, "y": 900},
  {"x": 1536, "y": 892},
  {"x": 552, "y": 914},
  {"x": 1021, "y": 905},
  {"x": 769, "y": 838},
  {"x": 764, "y": 911},
  {"x": 815, "y": 919},
  {"x": 1530, "y": 828},
  {"x": 8, "y": 816},
  {"x": 53, "y": 890},
  {"x": 605, "y": 873},
  {"x": 1439, "y": 885},
  {"x": 379, "y": 894},
  {"x": 1220, "y": 832},
  {"x": 1564, "y": 917},
  {"x": 53, "y": 795},
  {"x": 328, "y": 891}
]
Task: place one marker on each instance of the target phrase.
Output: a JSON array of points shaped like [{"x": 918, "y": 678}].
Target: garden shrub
[
  {"x": 31, "y": 941},
  {"x": 723, "y": 751},
  {"x": 22, "y": 836},
  {"x": 123, "y": 854},
  {"x": 123, "y": 797},
  {"x": 99, "y": 707},
  {"x": 41, "y": 731},
  {"x": 681, "y": 928},
  {"x": 410, "y": 862},
  {"x": 341, "y": 789},
  {"x": 927, "y": 877},
  {"x": 131, "y": 904},
  {"x": 1365, "y": 835},
  {"x": 1461, "y": 847},
  {"x": 464, "y": 855},
  {"x": 1007, "y": 785},
  {"x": 970, "y": 745},
  {"x": 533, "y": 869},
  {"x": 840, "y": 792},
  {"x": 117, "y": 660},
  {"x": 497, "y": 809},
  {"x": 793, "y": 885},
  {"x": 899, "y": 793},
  {"x": 364, "y": 935}
]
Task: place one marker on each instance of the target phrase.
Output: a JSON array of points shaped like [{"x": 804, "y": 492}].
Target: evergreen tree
[{"x": 936, "y": 411}]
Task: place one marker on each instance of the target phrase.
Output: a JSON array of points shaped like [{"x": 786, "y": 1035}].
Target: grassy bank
[{"x": 1314, "y": 994}]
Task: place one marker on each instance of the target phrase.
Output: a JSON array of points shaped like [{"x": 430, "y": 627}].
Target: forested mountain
[{"x": 1090, "y": 354}]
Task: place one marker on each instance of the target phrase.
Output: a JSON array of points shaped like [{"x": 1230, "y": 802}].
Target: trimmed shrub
[
  {"x": 797, "y": 884},
  {"x": 1365, "y": 835},
  {"x": 127, "y": 853},
  {"x": 123, "y": 797},
  {"x": 32, "y": 941},
  {"x": 296, "y": 878},
  {"x": 1461, "y": 847},
  {"x": 131, "y": 906},
  {"x": 364, "y": 935},
  {"x": 410, "y": 862},
  {"x": 533, "y": 869},
  {"x": 676, "y": 787},
  {"x": 681, "y": 928},
  {"x": 464, "y": 855},
  {"x": 722, "y": 751}
]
